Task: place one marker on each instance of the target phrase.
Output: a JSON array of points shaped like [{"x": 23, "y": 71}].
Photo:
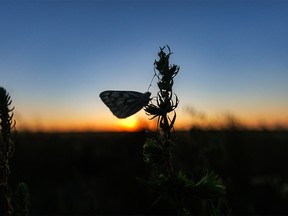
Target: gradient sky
[{"x": 57, "y": 56}]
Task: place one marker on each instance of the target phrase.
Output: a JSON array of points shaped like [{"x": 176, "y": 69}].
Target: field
[{"x": 95, "y": 173}]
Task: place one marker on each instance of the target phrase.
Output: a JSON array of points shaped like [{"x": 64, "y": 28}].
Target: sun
[{"x": 131, "y": 123}]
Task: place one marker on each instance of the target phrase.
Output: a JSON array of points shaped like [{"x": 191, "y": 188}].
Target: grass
[{"x": 95, "y": 173}]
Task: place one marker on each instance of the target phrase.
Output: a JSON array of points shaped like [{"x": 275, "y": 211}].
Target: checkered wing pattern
[{"x": 125, "y": 103}]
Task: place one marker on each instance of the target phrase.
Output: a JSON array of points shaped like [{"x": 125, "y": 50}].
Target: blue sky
[{"x": 57, "y": 56}]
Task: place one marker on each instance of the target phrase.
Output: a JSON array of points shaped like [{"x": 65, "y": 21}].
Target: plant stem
[{"x": 6, "y": 146}]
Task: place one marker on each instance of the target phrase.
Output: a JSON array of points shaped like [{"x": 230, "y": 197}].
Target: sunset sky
[{"x": 57, "y": 56}]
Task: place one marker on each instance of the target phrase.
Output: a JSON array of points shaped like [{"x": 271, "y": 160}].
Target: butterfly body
[{"x": 125, "y": 103}]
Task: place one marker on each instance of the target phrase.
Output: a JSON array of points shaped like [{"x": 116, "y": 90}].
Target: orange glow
[
  {"x": 102, "y": 123},
  {"x": 131, "y": 123},
  {"x": 137, "y": 122}
]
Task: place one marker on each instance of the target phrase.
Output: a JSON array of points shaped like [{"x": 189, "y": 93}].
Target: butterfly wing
[{"x": 125, "y": 103}]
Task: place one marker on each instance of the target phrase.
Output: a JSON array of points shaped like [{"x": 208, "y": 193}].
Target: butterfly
[{"x": 125, "y": 103}]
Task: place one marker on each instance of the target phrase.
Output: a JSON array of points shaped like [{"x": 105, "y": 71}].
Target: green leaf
[
  {"x": 154, "y": 152},
  {"x": 210, "y": 186}
]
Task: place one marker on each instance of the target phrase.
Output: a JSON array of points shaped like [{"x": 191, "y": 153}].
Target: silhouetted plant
[
  {"x": 6, "y": 147},
  {"x": 22, "y": 200},
  {"x": 171, "y": 184},
  {"x": 7, "y": 130}
]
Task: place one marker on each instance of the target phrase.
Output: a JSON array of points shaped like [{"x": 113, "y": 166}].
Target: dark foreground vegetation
[{"x": 95, "y": 173}]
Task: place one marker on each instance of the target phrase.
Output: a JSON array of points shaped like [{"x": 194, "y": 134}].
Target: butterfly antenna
[{"x": 151, "y": 82}]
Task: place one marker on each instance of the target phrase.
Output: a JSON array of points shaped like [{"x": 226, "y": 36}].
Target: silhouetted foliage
[
  {"x": 6, "y": 148},
  {"x": 171, "y": 184}
]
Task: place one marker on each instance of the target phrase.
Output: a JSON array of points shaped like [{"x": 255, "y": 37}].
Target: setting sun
[{"x": 131, "y": 123}]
